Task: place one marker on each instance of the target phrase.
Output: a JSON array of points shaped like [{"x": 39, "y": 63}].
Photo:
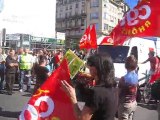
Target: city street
[{"x": 11, "y": 105}]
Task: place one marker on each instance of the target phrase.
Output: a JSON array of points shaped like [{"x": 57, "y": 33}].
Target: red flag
[
  {"x": 89, "y": 40},
  {"x": 93, "y": 40},
  {"x": 107, "y": 41},
  {"x": 142, "y": 21},
  {"x": 85, "y": 38},
  {"x": 57, "y": 59},
  {"x": 50, "y": 102}
]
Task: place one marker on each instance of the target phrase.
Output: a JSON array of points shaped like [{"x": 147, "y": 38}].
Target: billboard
[
  {"x": 35, "y": 17},
  {"x": 60, "y": 38}
]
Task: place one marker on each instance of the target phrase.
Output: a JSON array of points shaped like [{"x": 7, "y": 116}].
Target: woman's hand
[{"x": 70, "y": 91}]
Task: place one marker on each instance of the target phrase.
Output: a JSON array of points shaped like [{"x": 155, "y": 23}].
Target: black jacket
[{"x": 10, "y": 69}]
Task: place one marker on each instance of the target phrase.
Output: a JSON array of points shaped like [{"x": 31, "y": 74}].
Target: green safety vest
[{"x": 25, "y": 62}]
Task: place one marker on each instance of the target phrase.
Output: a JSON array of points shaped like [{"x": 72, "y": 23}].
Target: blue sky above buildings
[
  {"x": 1, "y": 5},
  {"x": 131, "y": 3}
]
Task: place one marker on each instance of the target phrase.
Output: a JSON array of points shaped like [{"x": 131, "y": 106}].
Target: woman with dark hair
[
  {"x": 128, "y": 90},
  {"x": 101, "y": 100}
]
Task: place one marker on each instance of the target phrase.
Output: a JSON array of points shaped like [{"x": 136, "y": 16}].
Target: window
[
  {"x": 105, "y": 26},
  {"x": 94, "y": 3},
  {"x": 66, "y": 15},
  {"x": 110, "y": 28},
  {"x": 94, "y": 16},
  {"x": 70, "y": 6},
  {"x": 134, "y": 52},
  {"x": 83, "y": 4},
  {"x": 118, "y": 53},
  {"x": 82, "y": 22},
  {"x": 60, "y": 16},
  {"x": 66, "y": 7},
  {"x": 76, "y": 5},
  {"x": 76, "y": 22},
  {"x": 105, "y": 16},
  {"x": 61, "y": 9},
  {"x": 97, "y": 26}
]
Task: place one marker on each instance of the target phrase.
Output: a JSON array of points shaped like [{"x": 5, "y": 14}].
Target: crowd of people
[
  {"x": 102, "y": 100},
  {"x": 24, "y": 66}
]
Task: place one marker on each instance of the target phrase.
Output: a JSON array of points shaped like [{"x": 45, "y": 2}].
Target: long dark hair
[{"x": 105, "y": 69}]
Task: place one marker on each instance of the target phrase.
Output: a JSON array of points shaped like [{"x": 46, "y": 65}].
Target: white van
[{"x": 138, "y": 47}]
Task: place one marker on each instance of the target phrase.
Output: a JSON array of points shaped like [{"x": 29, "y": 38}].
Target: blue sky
[
  {"x": 131, "y": 3},
  {"x": 1, "y": 5}
]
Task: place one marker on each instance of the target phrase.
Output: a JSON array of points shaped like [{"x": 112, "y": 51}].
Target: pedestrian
[
  {"x": 55, "y": 59},
  {"x": 25, "y": 66},
  {"x": 19, "y": 53},
  {"x": 154, "y": 62},
  {"x": 41, "y": 72},
  {"x": 2, "y": 70},
  {"x": 128, "y": 90},
  {"x": 101, "y": 99},
  {"x": 11, "y": 69}
]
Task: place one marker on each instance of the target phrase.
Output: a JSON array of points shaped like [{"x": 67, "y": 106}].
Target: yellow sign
[{"x": 74, "y": 62}]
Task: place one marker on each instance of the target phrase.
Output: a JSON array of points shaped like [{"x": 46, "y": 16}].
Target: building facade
[{"x": 73, "y": 17}]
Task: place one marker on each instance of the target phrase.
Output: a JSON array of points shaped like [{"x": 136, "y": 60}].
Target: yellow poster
[{"x": 74, "y": 63}]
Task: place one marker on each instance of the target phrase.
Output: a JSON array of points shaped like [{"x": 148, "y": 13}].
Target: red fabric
[
  {"x": 89, "y": 40},
  {"x": 84, "y": 40},
  {"x": 51, "y": 103},
  {"x": 57, "y": 60},
  {"x": 156, "y": 75},
  {"x": 107, "y": 41},
  {"x": 93, "y": 40},
  {"x": 142, "y": 21}
]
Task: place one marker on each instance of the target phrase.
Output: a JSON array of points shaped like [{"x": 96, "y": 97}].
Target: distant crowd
[{"x": 22, "y": 66}]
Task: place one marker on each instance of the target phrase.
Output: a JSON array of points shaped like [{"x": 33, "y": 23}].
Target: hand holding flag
[{"x": 50, "y": 102}]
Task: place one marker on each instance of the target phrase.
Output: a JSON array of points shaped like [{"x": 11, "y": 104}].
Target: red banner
[
  {"x": 142, "y": 21},
  {"x": 93, "y": 40},
  {"x": 107, "y": 41},
  {"x": 50, "y": 102},
  {"x": 86, "y": 37},
  {"x": 89, "y": 40}
]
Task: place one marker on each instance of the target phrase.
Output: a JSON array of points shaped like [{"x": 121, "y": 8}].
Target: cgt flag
[
  {"x": 107, "y": 41},
  {"x": 93, "y": 40},
  {"x": 142, "y": 21},
  {"x": 89, "y": 40},
  {"x": 84, "y": 40},
  {"x": 50, "y": 102}
]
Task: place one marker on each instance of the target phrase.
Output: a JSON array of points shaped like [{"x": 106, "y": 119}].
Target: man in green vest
[{"x": 25, "y": 66}]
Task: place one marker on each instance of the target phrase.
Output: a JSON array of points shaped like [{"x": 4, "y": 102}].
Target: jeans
[
  {"x": 126, "y": 110},
  {"x": 25, "y": 78},
  {"x": 2, "y": 75}
]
